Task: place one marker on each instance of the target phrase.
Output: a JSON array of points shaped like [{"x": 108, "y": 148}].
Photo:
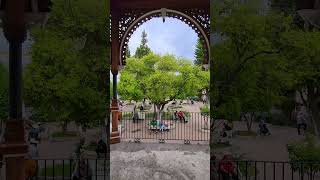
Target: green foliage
[
  {"x": 307, "y": 151},
  {"x": 143, "y": 49},
  {"x": 128, "y": 54},
  {"x": 205, "y": 110},
  {"x": 129, "y": 87},
  {"x": 161, "y": 79},
  {"x": 4, "y": 93},
  {"x": 199, "y": 53},
  {"x": 66, "y": 79},
  {"x": 301, "y": 49},
  {"x": 248, "y": 73},
  {"x": 57, "y": 171}
]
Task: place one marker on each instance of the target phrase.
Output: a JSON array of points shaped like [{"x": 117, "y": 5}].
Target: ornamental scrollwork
[{"x": 128, "y": 23}]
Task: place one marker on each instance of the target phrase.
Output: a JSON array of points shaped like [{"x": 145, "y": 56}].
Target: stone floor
[
  {"x": 147, "y": 161},
  {"x": 144, "y": 161}
]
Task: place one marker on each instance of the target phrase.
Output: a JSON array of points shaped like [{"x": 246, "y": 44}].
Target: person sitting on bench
[{"x": 181, "y": 116}]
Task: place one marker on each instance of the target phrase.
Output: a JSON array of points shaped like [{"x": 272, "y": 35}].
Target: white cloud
[{"x": 173, "y": 36}]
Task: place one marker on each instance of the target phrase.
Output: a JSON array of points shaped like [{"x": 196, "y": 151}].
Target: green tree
[
  {"x": 301, "y": 49},
  {"x": 129, "y": 88},
  {"x": 160, "y": 79},
  {"x": 128, "y": 54},
  {"x": 66, "y": 79},
  {"x": 199, "y": 53},
  {"x": 143, "y": 49},
  {"x": 247, "y": 73},
  {"x": 306, "y": 151}
]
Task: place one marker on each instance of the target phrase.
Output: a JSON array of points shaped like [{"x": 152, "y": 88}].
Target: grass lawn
[
  {"x": 60, "y": 134},
  {"x": 58, "y": 170}
]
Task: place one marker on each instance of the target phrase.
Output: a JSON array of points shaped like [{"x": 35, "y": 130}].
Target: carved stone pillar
[
  {"x": 14, "y": 148},
  {"x": 115, "y": 136}
]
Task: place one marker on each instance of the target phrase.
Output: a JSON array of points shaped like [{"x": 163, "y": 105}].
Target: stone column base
[{"x": 115, "y": 137}]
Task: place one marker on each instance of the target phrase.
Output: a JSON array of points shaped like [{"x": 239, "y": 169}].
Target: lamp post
[{"x": 16, "y": 16}]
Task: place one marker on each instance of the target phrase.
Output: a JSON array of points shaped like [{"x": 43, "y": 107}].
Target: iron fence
[
  {"x": 144, "y": 125},
  {"x": 67, "y": 169},
  {"x": 268, "y": 170}
]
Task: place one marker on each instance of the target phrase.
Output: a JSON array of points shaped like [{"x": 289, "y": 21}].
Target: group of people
[
  {"x": 179, "y": 116},
  {"x": 161, "y": 124}
]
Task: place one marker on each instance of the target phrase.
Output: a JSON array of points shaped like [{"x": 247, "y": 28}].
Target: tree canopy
[
  {"x": 161, "y": 79},
  {"x": 262, "y": 57},
  {"x": 301, "y": 49},
  {"x": 66, "y": 80},
  {"x": 143, "y": 49},
  {"x": 247, "y": 73},
  {"x": 199, "y": 53}
]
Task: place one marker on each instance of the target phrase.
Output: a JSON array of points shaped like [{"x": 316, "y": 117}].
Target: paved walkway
[
  {"x": 263, "y": 148},
  {"x": 143, "y": 161},
  {"x": 130, "y": 161}
]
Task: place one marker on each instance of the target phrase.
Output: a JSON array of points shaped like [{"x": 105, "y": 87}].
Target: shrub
[
  {"x": 305, "y": 152},
  {"x": 205, "y": 110},
  {"x": 58, "y": 170}
]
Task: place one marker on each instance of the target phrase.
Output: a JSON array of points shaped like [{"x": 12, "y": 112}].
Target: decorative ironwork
[{"x": 197, "y": 19}]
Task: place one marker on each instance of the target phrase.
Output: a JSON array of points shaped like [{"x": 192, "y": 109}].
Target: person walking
[{"x": 301, "y": 118}]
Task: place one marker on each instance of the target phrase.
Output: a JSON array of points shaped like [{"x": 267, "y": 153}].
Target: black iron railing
[
  {"x": 268, "y": 170},
  {"x": 58, "y": 169},
  {"x": 146, "y": 125}
]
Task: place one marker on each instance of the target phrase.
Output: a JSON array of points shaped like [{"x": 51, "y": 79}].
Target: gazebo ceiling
[
  {"x": 157, "y": 4},
  {"x": 31, "y": 5},
  {"x": 129, "y": 15}
]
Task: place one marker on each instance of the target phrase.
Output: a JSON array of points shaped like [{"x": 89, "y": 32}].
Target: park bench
[{"x": 153, "y": 126}]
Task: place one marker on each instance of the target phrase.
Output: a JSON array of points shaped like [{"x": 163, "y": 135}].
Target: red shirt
[
  {"x": 227, "y": 166},
  {"x": 180, "y": 114}
]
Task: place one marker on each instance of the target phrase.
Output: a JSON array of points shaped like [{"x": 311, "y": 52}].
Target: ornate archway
[
  {"x": 128, "y": 15},
  {"x": 197, "y": 19}
]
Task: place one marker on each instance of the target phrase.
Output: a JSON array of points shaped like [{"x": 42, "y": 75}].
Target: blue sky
[{"x": 173, "y": 36}]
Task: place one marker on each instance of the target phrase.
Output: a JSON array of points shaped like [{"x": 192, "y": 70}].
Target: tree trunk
[
  {"x": 248, "y": 121},
  {"x": 159, "y": 112},
  {"x": 314, "y": 112},
  {"x": 154, "y": 112},
  {"x": 64, "y": 127}
]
